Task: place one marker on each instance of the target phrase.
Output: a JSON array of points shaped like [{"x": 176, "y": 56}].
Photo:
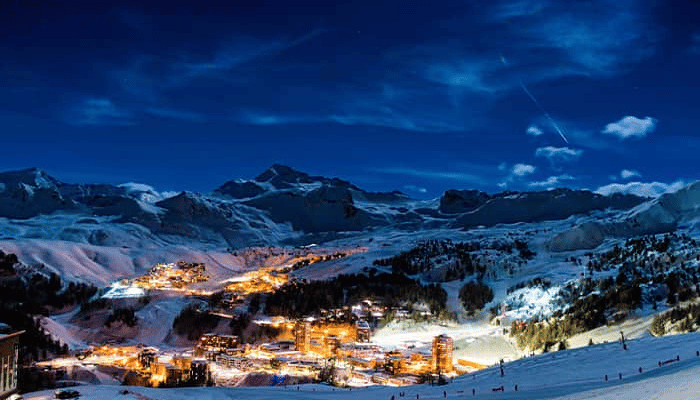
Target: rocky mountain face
[
  {"x": 31, "y": 192},
  {"x": 282, "y": 203},
  {"x": 462, "y": 201},
  {"x": 512, "y": 207}
]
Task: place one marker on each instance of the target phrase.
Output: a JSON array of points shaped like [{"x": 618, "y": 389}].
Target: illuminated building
[
  {"x": 210, "y": 344},
  {"x": 363, "y": 331},
  {"x": 331, "y": 344},
  {"x": 9, "y": 353},
  {"x": 442, "y": 354},
  {"x": 394, "y": 362},
  {"x": 184, "y": 363},
  {"x": 146, "y": 358},
  {"x": 302, "y": 336},
  {"x": 199, "y": 372}
]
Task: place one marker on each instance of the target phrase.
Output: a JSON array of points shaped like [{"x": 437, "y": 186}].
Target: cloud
[
  {"x": 389, "y": 118},
  {"x": 263, "y": 118},
  {"x": 645, "y": 189},
  {"x": 97, "y": 111},
  {"x": 241, "y": 51},
  {"x": 523, "y": 169},
  {"x": 516, "y": 172},
  {"x": 629, "y": 173},
  {"x": 465, "y": 74},
  {"x": 552, "y": 181},
  {"x": 517, "y": 9},
  {"x": 630, "y": 126},
  {"x": 558, "y": 154},
  {"x": 151, "y": 79},
  {"x": 695, "y": 45},
  {"x": 145, "y": 193},
  {"x": 414, "y": 188},
  {"x": 175, "y": 114},
  {"x": 596, "y": 40},
  {"x": 431, "y": 174},
  {"x": 534, "y": 131},
  {"x": 538, "y": 40}
]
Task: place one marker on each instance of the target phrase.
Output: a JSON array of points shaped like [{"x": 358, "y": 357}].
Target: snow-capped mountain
[
  {"x": 284, "y": 196},
  {"x": 663, "y": 214},
  {"x": 283, "y": 206}
]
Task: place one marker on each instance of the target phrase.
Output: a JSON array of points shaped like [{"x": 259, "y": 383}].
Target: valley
[{"x": 292, "y": 279}]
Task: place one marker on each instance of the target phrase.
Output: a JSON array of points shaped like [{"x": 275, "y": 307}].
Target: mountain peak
[
  {"x": 34, "y": 177},
  {"x": 283, "y": 173},
  {"x": 284, "y": 177}
]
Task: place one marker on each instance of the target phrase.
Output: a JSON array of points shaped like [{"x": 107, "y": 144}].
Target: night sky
[{"x": 414, "y": 96}]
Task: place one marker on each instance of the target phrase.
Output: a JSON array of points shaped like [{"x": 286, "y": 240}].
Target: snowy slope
[{"x": 660, "y": 215}]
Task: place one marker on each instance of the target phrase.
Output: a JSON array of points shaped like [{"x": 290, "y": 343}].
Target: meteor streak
[
  {"x": 546, "y": 114},
  {"x": 537, "y": 103}
]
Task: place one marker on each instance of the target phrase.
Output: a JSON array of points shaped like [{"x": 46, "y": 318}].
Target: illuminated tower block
[
  {"x": 363, "y": 331},
  {"x": 331, "y": 344},
  {"x": 302, "y": 336},
  {"x": 442, "y": 354}
]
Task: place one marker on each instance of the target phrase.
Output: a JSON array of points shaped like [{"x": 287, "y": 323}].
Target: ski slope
[{"x": 570, "y": 374}]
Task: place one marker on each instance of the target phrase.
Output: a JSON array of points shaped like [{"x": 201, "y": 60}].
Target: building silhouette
[
  {"x": 9, "y": 355},
  {"x": 442, "y": 354},
  {"x": 302, "y": 336}
]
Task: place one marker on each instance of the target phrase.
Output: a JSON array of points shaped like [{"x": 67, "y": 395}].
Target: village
[
  {"x": 341, "y": 355},
  {"x": 334, "y": 347}
]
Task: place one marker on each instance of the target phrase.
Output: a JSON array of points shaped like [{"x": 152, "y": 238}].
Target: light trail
[{"x": 537, "y": 103}]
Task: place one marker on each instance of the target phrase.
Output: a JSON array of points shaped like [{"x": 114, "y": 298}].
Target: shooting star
[
  {"x": 537, "y": 103},
  {"x": 546, "y": 114}
]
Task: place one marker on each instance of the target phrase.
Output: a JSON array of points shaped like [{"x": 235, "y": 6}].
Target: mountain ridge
[{"x": 283, "y": 203}]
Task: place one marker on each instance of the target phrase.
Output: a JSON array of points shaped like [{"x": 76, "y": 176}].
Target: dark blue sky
[{"x": 415, "y": 96}]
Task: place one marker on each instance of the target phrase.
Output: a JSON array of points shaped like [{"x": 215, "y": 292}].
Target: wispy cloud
[
  {"x": 533, "y": 130},
  {"x": 97, "y": 111},
  {"x": 465, "y": 74},
  {"x": 552, "y": 181},
  {"x": 523, "y": 169},
  {"x": 150, "y": 79},
  {"x": 629, "y": 173},
  {"x": 695, "y": 43},
  {"x": 517, "y": 9},
  {"x": 558, "y": 154},
  {"x": 645, "y": 189},
  {"x": 540, "y": 40},
  {"x": 630, "y": 126},
  {"x": 596, "y": 40},
  {"x": 175, "y": 114},
  {"x": 391, "y": 119},
  {"x": 265, "y": 118},
  {"x": 239, "y": 52},
  {"x": 431, "y": 174},
  {"x": 414, "y": 188}
]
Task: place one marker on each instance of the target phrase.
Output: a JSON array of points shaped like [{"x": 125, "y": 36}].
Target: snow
[
  {"x": 571, "y": 375},
  {"x": 121, "y": 291},
  {"x": 145, "y": 193},
  {"x": 59, "y": 330},
  {"x": 62, "y": 243},
  {"x": 525, "y": 303},
  {"x": 476, "y": 341}
]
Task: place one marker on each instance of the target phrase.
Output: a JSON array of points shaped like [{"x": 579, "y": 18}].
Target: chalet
[{"x": 9, "y": 355}]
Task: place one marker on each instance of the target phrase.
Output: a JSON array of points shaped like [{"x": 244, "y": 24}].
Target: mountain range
[{"x": 283, "y": 203}]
